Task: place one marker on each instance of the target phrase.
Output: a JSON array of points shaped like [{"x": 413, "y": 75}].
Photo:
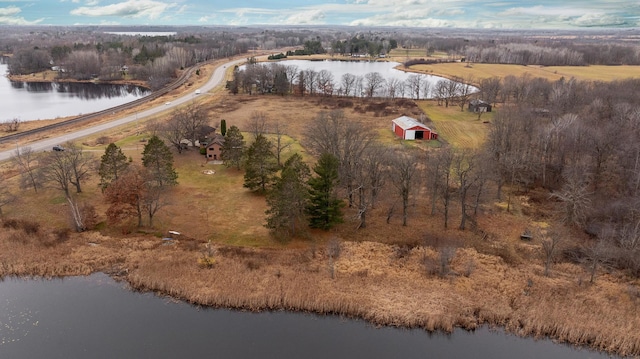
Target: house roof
[
  {"x": 406, "y": 123},
  {"x": 476, "y": 102},
  {"x": 217, "y": 139}
]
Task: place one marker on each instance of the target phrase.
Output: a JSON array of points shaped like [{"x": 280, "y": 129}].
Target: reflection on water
[
  {"x": 388, "y": 70},
  {"x": 44, "y": 100},
  {"x": 84, "y": 91},
  {"x": 96, "y": 317}
]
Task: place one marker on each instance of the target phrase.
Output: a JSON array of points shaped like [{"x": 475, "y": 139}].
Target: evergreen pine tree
[
  {"x": 223, "y": 127},
  {"x": 158, "y": 159},
  {"x": 260, "y": 165},
  {"x": 324, "y": 209},
  {"x": 112, "y": 165},
  {"x": 288, "y": 200},
  {"x": 233, "y": 147}
]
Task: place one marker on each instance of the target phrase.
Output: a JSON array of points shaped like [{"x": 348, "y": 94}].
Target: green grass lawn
[{"x": 461, "y": 129}]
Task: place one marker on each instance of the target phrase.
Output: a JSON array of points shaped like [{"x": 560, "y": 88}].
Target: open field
[
  {"x": 477, "y": 72},
  {"x": 461, "y": 129}
]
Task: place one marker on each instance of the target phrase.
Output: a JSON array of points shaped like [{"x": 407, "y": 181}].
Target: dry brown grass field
[
  {"x": 385, "y": 273},
  {"x": 475, "y": 72}
]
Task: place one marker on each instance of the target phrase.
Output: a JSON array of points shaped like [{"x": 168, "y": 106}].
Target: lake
[
  {"x": 43, "y": 100},
  {"x": 360, "y": 68},
  {"x": 96, "y": 317}
]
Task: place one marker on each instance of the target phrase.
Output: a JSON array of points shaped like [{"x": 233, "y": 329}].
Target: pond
[
  {"x": 28, "y": 101},
  {"x": 96, "y": 317},
  {"x": 387, "y": 69}
]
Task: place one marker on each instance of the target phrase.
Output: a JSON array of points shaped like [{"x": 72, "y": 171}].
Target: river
[
  {"x": 96, "y": 317},
  {"x": 28, "y": 101}
]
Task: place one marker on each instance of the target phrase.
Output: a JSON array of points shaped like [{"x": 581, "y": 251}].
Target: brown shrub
[
  {"x": 61, "y": 235},
  {"x": 103, "y": 140},
  {"x": 252, "y": 264},
  {"x": 508, "y": 253},
  {"x": 441, "y": 239},
  {"x": 10, "y": 223},
  {"x": 19, "y": 237},
  {"x": 189, "y": 245},
  {"x": 343, "y": 103},
  {"x": 89, "y": 216},
  {"x": 29, "y": 227},
  {"x": 401, "y": 251}
]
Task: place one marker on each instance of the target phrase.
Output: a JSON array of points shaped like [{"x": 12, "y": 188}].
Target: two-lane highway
[{"x": 47, "y": 144}]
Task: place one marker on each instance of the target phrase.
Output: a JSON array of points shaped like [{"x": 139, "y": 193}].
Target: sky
[{"x": 535, "y": 14}]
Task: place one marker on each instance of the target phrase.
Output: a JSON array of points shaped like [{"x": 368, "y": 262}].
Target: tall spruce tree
[
  {"x": 158, "y": 160},
  {"x": 233, "y": 147},
  {"x": 223, "y": 127},
  {"x": 324, "y": 209},
  {"x": 260, "y": 165},
  {"x": 288, "y": 199},
  {"x": 112, "y": 165}
]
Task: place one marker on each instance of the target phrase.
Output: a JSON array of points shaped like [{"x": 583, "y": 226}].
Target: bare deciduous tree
[
  {"x": 81, "y": 162},
  {"x": 6, "y": 196},
  {"x": 348, "y": 83},
  {"x": 374, "y": 81},
  {"x": 466, "y": 169},
  {"x": 25, "y": 159},
  {"x": 575, "y": 196},
  {"x": 551, "y": 242},
  {"x": 464, "y": 92},
  {"x": 325, "y": 82},
  {"x": 12, "y": 125},
  {"x": 369, "y": 178},
  {"x": 404, "y": 175},
  {"x": 258, "y": 124},
  {"x": 490, "y": 89},
  {"x": 333, "y": 133},
  {"x": 414, "y": 85},
  {"x": 280, "y": 131}
]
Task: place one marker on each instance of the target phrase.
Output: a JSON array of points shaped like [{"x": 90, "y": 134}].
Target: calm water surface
[
  {"x": 361, "y": 68},
  {"x": 95, "y": 317},
  {"x": 37, "y": 101}
]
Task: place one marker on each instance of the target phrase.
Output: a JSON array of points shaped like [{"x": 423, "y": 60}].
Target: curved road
[{"x": 216, "y": 78}]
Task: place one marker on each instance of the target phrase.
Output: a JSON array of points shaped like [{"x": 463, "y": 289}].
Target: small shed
[
  {"x": 409, "y": 128},
  {"x": 214, "y": 148},
  {"x": 479, "y": 106}
]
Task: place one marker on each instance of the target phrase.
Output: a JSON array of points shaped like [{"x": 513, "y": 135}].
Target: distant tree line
[
  {"x": 276, "y": 78},
  {"x": 154, "y": 59},
  {"x": 361, "y": 44},
  {"x": 524, "y": 54}
]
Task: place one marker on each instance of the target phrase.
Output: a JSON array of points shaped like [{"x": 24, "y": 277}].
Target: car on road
[
  {"x": 168, "y": 103},
  {"x": 58, "y": 148},
  {"x": 197, "y": 91}
]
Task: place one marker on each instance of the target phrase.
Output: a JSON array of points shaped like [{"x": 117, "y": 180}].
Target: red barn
[{"x": 408, "y": 128}]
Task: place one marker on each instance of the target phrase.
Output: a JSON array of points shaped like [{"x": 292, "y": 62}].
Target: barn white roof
[{"x": 406, "y": 122}]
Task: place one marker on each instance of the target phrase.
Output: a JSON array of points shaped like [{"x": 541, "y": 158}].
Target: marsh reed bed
[{"x": 370, "y": 281}]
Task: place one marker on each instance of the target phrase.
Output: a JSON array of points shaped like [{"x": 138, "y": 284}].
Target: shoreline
[
  {"x": 39, "y": 78},
  {"x": 367, "y": 281}
]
